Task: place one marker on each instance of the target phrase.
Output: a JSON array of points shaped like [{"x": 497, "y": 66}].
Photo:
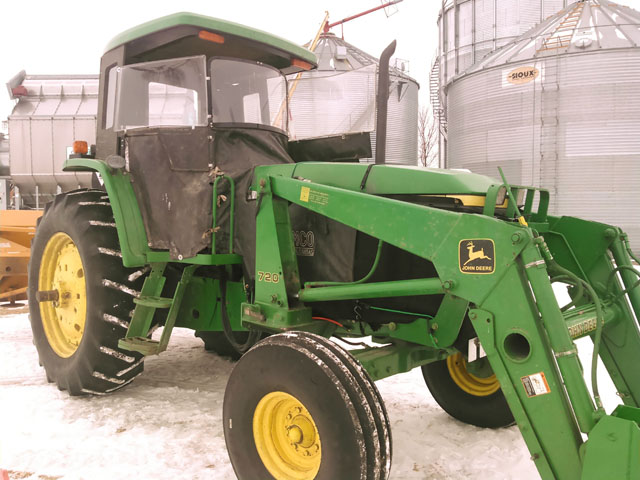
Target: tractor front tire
[
  {"x": 81, "y": 296},
  {"x": 467, "y": 397},
  {"x": 298, "y": 406}
]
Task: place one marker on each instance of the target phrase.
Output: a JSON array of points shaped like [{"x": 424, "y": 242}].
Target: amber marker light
[
  {"x": 80, "y": 147},
  {"x": 296, "y": 62},
  {"x": 210, "y": 36}
]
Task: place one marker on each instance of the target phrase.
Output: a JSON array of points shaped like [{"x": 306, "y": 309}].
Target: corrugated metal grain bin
[
  {"x": 340, "y": 97},
  {"x": 559, "y": 108},
  {"x": 470, "y": 29}
]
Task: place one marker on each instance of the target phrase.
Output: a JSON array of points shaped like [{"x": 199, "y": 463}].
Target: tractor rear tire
[
  {"x": 466, "y": 397},
  {"x": 75, "y": 256},
  {"x": 217, "y": 342},
  {"x": 298, "y": 404}
]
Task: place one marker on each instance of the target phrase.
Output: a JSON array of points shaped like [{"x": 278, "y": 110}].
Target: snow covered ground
[{"x": 167, "y": 423}]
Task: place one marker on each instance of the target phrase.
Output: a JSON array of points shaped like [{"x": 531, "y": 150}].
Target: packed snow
[{"x": 167, "y": 423}]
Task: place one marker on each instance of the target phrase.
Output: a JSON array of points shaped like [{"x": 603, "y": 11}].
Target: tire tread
[{"x": 108, "y": 309}]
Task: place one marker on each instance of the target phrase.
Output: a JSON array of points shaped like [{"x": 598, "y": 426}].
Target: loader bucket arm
[{"x": 528, "y": 339}]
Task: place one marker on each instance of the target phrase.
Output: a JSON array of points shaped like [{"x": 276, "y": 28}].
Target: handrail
[{"x": 214, "y": 213}]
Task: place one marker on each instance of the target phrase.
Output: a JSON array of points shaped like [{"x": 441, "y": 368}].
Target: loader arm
[{"x": 527, "y": 337}]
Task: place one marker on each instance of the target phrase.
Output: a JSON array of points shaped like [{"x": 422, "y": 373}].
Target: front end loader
[{"x": 209, "y": 221}]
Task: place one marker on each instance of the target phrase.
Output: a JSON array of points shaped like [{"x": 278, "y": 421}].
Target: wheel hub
[
  {"x": 286, "y": 437},
  {"x": 61, "y": 270},
  {"x": 467, "y": 381}
]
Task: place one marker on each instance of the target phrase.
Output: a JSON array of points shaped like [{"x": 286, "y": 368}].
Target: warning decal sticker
[
  {"x": 477, "y": 255},
  {"x": 313, "y": 196},
  {"x": 304, "y": 194},
  {"x": 535, "y": 384}
]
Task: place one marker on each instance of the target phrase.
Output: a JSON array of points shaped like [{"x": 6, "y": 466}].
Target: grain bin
[
  {"x": 470, "y": 29},
  {"x": 559, "y": 107},
  {"x": 340, "y": 97}
]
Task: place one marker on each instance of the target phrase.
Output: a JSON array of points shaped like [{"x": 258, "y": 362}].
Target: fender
[{"x": 126, "y": 211}]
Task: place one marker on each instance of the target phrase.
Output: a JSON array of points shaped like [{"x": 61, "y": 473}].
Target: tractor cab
[
  {"x": 185, "y": 99},
  {"x": 188, "y": 70}
]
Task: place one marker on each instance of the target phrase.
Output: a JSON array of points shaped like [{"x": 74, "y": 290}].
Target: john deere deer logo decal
[
  {"x": 479, "y": 254},
  {"x": 476, "y": 255}
]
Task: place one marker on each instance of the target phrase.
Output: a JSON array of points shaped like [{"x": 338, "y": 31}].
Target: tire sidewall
[{"x": 258, "y": 373}]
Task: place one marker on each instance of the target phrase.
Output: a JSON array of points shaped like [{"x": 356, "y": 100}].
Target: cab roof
[{"x": 179, "y": 35}]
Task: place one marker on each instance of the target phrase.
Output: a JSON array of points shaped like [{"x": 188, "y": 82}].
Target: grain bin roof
[
  {"x": 335, "y": 54},
  {"x": 589, "y": 26}
]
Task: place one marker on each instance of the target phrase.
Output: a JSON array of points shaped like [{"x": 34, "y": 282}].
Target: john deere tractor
[{"x": 210, "y": 219}]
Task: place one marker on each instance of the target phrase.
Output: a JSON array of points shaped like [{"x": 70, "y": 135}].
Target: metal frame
[
  {"x": 514, "y": 310},
  {"x": 519, "y": 323}
]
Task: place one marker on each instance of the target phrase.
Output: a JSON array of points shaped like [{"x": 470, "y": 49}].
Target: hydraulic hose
[
  {"x": 627, "y": 245},
  {"x": 611, "y": 276},
  {"x": 571, "y": 281},
  {"x": 596, "y": 344},
  {"x": 357, "y": 282},
  {"x": 559, "y": 271}
]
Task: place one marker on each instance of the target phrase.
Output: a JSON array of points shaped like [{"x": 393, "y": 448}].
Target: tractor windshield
[
  {"x": 246, "y": 92},
  {"x": 173, "y": 93},
  {"x": 162, "y": 93}
]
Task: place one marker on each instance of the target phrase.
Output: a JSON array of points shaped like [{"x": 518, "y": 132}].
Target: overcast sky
[{"x": 69, "y": 36}]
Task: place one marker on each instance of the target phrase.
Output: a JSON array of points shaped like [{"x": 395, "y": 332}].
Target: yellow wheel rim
[
  {"x": 286, "y": 437},
  {"x": 477, "y": 386},
  {"x": 61, "y": 269}
]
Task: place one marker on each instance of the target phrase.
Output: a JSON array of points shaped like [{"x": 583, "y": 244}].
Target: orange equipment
[{"x": 17, "y": 228}]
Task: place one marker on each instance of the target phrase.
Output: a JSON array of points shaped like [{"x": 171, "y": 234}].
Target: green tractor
[{"x": 209, "y": 219}]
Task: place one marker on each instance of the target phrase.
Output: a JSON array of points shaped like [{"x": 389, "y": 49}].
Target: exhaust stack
[{"x": 381, "y": 101}]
